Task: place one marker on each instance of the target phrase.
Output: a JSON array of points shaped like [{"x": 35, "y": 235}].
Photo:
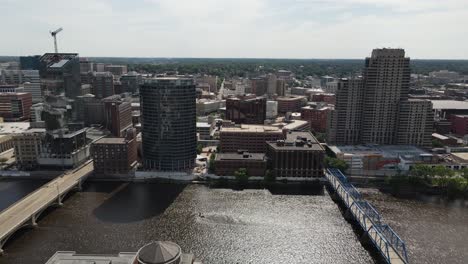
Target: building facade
[
  {"x": 226, "y": 164},
  {"x": 290, "y": 103},
  {"x": 15, "y": 106},
  {"x": 387, "y": 77},
  {"x": 60, "y": 73},
  {"x": 113, "y": 156},
  {"x": 168, "y": 116},
  {"x": 300, "y": 155},
  {"x": 415, "y": 123},
  {"x": 246, "y": 110},
  {"x": 251, "y": 138},
  {"x": 460, "y": 124},
  {"x": 118, "y": 115},
  {"x": 28, "y": 148},
  {"x": 103, "y": 84}
]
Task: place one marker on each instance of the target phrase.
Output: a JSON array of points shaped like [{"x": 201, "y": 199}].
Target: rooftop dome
[{"x": 159, "y": 252}]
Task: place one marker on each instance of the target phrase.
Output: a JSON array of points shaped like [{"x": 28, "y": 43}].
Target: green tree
[
  {"x": 336, "y": 163},
  {"x": 199, "y": 148},
  {"x": 242, "y": 176},
  {"x": 211, "y": 163},
  {"x": 437, "y": 144}
]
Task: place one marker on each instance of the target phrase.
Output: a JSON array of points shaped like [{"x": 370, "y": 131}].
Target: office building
[
  {"x": 32, "y": 84},
  {"x": 28, "y": 148},
  {"x": 89, "y": 109},
  {"x": 6, "y": 143},
  {"x": 30, "y": 62},
  {"x": 131, "y": 82},
  {"x": 210, "y": 81},
  {"x": 271, "y": 85},
  {"x": 290, "y": 103},
  {"x": 346, "y": 118},
  {"x": 118, "y": 115},
  {"x": 271, "y": 109},
  {"x": 203, "y": 131},
  {"x": 168, "y": 116},
  {"x": 226, "y": 164},
  {"x": 245, "y": 110},
  {"x": 317, "y": 116},
  {"x": 11, "y": 88},
  {"x": 15, "y": 106},
  {"x": 60, "y": 73},
  {"x": 11, "y": 77},
  {"x": 251, "y": 138},
  {"x": 387, "y": 76},
  {"x": 259, "y": 86},
  {"x": 299, "y": 155},
  {"x": 113, "y": 156},
  {"x": 117, "y": 70},
  {"x": 103, "y": 84},
  {"x": 86, "y": 65},
  {"x": 459, "y": 124}
]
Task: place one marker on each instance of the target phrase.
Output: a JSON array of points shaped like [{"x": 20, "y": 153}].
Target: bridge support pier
[{"x": 33, "y": 220}]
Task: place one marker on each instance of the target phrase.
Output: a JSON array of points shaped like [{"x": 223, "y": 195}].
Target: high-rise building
[
  {"x": 32, "y": 84},
  {"x": 60, "y": 73},
  {"x": 117, "y": 70},
  {"x": 168, "y": 116},
  {"x": 387, "y": 76},
  {"x": 271, "y": 85},
  {"x": 86, "y": 65},
  {"x": 15, "y": 106},
  {"x": 242, "y": 110},
  {"x": 30, "y": 62},
  {"x": 415, "y": 123},
  {"x": 131, "y": 82},
  {"x": 347, "y": 116},
  {"x": 118, "y": 114},
  {"x": 103, "y": 84}
]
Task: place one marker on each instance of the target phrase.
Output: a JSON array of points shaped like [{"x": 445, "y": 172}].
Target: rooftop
[
  {"x": 240, "y": 156},
  {"x": 70, "y": 257},
  {"x": 297, "y": 141},
  {"x": 13, "y": 127},
  {"x": 387, "y": 151},
  {"x": 110, "y": 141},
  {"x": 449, "y": 104},
  {"x": 251, "y": 128}
]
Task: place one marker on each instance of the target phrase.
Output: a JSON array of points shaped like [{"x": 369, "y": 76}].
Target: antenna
[{"x": 54, "y": 34}]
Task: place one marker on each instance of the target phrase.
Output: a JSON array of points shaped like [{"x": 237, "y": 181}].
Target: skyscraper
[
  {"x": 347, "y": 116},
  {"x": 376, "y": 109},
  {"x": 168, "y": 116},
  {"x": 103, "y": 84},
  {"x": 387, "y": 76}
]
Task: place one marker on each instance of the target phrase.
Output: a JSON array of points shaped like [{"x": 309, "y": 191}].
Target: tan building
[
  {"x": 227, "y": 163},
  {"x": 6, "y": 143},
  {"x": 251, "y": 138},
  {"x": 28, "y": 147},
  {"x": 290, "y": 103},
  {"x": 415, "y": 124}
]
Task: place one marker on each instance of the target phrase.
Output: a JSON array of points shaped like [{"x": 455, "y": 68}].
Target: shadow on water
[
  {"x": 300, "y": 188},
  {"x": 130, "y": 202},
  {"x": 357, "y": 230}
]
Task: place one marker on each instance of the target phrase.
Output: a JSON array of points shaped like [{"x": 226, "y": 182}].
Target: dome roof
[{"x": 159, "y": 252}]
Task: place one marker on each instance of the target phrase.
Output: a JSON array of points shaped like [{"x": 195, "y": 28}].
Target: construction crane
[{"x": 54, "y": 34}]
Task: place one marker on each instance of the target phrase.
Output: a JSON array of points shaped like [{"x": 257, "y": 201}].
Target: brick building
[
  {"x": 251, "y": 138},
  {"x": 290, "y": 103},
  {"x": 460, "y": 124},
  {"x": 300, "y": 155},
  {"x": 15, "y": 106},
  {"x": 243, "y": 110},
  {"x": 114, "y": 155},
  {"x": 227, "y": 163},
  {"x": 118, "y": 115},
  {"x": 317, "y": 117}
]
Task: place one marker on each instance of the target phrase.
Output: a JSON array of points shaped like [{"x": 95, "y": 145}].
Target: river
[{"x": 227, "y": 226}]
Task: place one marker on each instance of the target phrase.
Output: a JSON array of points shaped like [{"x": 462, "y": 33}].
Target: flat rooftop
[
  {"x": 110, "y": 141},
  {"x": 70, "y": 257},
  {"x": 297, "y": 141},
  {"x": 449, "y": 104},
  {"x": 240, "y": 156},
  {"x": 14, "y": 127},
  {"x": 251, "y": 129},
  {"x": 387, "y": 151}
]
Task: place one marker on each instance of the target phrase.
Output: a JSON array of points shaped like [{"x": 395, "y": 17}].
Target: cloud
[{"x": 237, "y": 28}]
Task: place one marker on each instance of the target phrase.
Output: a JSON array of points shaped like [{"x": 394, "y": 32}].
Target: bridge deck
[{"x": 18, "y": 214}]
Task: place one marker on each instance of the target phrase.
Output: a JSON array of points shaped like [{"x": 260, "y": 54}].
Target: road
[{"x": 27, "y": 209}]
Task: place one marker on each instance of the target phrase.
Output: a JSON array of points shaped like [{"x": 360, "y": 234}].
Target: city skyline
[{"x": 237, "y": 29}]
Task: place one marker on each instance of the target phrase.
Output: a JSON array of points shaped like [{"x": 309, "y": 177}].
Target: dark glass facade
[{"x": 168, "y": 116}]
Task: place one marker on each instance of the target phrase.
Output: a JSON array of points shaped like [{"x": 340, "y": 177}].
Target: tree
[
  {"x": 269, "y": 176},
  {"x": 241, "y": 175},
  {"x": 336, "y": 163},
  {"x": 211, "y": 163},
  {"x": 437, "y": 144},
  {"x": 199, "y": 148}
]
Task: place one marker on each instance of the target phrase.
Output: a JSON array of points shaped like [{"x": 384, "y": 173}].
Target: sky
[{"x": 426, "y": 29}]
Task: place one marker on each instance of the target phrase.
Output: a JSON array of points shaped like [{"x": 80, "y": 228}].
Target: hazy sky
[{"x": 237, "y": 28}]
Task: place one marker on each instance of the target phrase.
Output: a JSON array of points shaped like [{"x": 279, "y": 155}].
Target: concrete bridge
[
  {"x": 25, "y": 212},
  {"x": 385, "y": 240}
]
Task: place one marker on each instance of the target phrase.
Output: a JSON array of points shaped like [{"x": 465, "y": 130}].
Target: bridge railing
[
  {"x": 382, "y": 235},
  {"x": 392, "y": 237}
]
